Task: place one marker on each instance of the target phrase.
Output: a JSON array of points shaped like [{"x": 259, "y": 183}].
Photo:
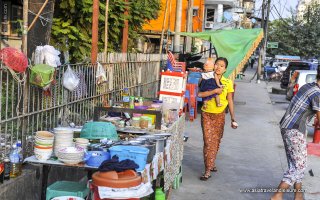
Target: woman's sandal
[
  {"x": 214, "y": 169},
  {"x": 205, "y": 177}
]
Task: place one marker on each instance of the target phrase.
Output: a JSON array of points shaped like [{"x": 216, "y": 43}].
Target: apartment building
[{"x": 11, "y": 17}]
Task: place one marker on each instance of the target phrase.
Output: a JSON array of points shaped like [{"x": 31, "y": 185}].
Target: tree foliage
[
  {"x": 297, "y": 36},
  {"x": 72, "y": 24}
]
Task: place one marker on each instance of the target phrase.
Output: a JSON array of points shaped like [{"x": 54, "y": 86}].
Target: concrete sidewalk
[{"x": 251, "y": 156}]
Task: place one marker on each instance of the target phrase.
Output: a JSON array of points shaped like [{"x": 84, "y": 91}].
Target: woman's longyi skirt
[{"x": 212, "y": 127}]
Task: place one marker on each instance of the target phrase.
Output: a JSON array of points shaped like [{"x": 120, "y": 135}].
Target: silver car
[{"x": 298, "y": 79}]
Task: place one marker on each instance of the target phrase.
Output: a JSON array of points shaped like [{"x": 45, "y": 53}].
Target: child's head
[{"x": 209, "y": 65}]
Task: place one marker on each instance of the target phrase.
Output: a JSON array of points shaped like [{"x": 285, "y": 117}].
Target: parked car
[
  {"x": 301, "y": 65},
  {"x": 298, "y": 79}
]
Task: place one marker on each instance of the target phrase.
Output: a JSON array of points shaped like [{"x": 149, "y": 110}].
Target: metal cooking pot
[
  {"x": 152, "y": 151},
  {"x": 158, "y": 140},
  {"x": 160, "y": 144}
]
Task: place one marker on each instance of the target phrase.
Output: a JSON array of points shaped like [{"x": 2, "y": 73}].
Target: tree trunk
[{"x": 40, "y": 33}]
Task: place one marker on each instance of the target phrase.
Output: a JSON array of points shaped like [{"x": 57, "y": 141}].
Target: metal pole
[
  {"x": 177, "y": 28},
  {"x": 106, "y": 29},
  {"x": 95, "y": 24},
  {"x": 189, "y": 25},
  {"x": 260, "y": 61},
  {"x": 266, "y": 32}
]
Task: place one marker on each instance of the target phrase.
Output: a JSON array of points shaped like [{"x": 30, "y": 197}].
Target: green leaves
[
  {"x": 71, "y": 29},
  {"x": 297, "y": 36}
]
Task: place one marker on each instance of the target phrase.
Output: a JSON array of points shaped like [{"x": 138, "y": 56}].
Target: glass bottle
[
  {"x": 131, "y": 104},
  {"x": 125, "y": 98}
]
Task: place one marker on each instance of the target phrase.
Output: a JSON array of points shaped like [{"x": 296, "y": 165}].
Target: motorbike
[{"x": 192, "y": 60}]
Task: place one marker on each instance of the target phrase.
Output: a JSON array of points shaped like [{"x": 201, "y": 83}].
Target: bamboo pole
[
  {"x": 163, "y": 26},
  {"x": 125, "y": 32},
  {"x": 95, "y": 22},
  {"x": 106, "y": 28},
  {"x": 37, "y": 16},
  {"x": 25, "y": 26}
]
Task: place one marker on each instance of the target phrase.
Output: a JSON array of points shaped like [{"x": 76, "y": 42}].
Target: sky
[{"x": 282, "y": 6}]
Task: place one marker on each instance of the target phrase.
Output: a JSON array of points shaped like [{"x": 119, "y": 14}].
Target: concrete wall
[{"x": 28, "y": 185}]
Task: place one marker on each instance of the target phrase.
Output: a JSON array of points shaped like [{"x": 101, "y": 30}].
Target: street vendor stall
[{"x": 107, "y": 134}]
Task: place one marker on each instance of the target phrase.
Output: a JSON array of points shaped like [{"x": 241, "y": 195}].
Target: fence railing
[{"x": 25, "y": 109}]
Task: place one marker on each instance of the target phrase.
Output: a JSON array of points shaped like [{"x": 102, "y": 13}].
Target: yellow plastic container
[{"x": 153, "y": 118}]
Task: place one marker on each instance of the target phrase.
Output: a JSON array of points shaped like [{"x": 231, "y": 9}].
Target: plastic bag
[
  {"x": 47, "y": 55},
  {"x": 70, "y": 80},
  {"x": 101, "y": 74}
]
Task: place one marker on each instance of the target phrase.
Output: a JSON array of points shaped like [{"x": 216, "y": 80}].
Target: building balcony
[
  {"x": 223, "y": 2},
  {"x": 248, "y": 7}
]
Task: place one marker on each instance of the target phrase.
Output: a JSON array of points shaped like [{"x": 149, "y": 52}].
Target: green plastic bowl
[{"x": 99, "y": 130}]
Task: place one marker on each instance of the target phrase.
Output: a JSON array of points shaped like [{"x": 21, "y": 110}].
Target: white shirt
[{"x": 207, "y": 75}]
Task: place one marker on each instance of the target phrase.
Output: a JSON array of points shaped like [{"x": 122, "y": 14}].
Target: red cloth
[{"x": 14, "y": 59}]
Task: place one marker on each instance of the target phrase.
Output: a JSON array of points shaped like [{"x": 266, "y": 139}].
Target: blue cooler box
[{"x": 136, "y": 153}]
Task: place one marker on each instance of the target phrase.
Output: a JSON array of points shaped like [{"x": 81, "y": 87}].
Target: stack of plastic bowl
[
  {"x": 43, "y": 145},
  {"x": 82, "y": 143},
  {"x": 63, "y": 138},
  {"x": 70, "y": 155}
]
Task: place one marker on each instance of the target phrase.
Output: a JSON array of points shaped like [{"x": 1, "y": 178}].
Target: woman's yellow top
[{"x": 211, "y": 106}]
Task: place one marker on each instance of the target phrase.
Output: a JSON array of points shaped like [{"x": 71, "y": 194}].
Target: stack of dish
[
  {"x": 70, "y": 155},
  {"x": 63, "y": 138},
  {"x": 82, "y": 143},
  {"x": 43, "y": 145}
]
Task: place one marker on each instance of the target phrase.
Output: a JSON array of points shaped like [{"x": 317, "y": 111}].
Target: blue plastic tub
[
  {"x": 95, "y": 158},
  {"x": 136, "y": 153}
]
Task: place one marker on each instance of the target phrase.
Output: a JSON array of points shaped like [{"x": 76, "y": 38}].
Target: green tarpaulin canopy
[{"x": 236, "y": 45}]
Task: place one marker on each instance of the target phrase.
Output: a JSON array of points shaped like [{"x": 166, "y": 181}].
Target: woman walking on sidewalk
[
  {"x": 304, "y": 105},
  {"x": 213, "y": 117}
]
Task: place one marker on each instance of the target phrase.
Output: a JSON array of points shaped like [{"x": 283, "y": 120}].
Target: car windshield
[{"x": 311, "y": 78}]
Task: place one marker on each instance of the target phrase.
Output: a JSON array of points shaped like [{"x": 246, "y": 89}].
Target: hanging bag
[
  {"x": 14, "y": 59},
  {"x": 42, "y": 75},
  {"x": 70, "y": 80},
  {"x": 101, "y": 76}
]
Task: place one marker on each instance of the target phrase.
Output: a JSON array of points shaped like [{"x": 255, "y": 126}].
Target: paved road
[{"x": 251, "y": 156}]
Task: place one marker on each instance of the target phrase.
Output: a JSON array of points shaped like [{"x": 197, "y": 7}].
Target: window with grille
[
  {"x": 16, "y": 17},
  {"x": 210, "y": 15}
]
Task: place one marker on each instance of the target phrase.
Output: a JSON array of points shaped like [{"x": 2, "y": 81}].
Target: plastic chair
[
  {"x": 176, "y": 66},
  {"x": 194, "y": 78},
  {"x": 67, "y": 188},
  {"x": 192, "y": 100}
]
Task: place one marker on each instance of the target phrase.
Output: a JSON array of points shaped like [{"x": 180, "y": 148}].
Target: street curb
[{"x": 278, "y": 91}]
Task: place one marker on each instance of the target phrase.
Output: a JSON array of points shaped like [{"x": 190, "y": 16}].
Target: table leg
[
  {"x": 154, "y": 186},
  {"x": 45, "y": 174}
]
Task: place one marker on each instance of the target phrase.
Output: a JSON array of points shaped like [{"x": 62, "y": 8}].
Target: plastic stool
[
  {"x": 67, "y": 188},
  {"x": 177, "y": 180}
]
